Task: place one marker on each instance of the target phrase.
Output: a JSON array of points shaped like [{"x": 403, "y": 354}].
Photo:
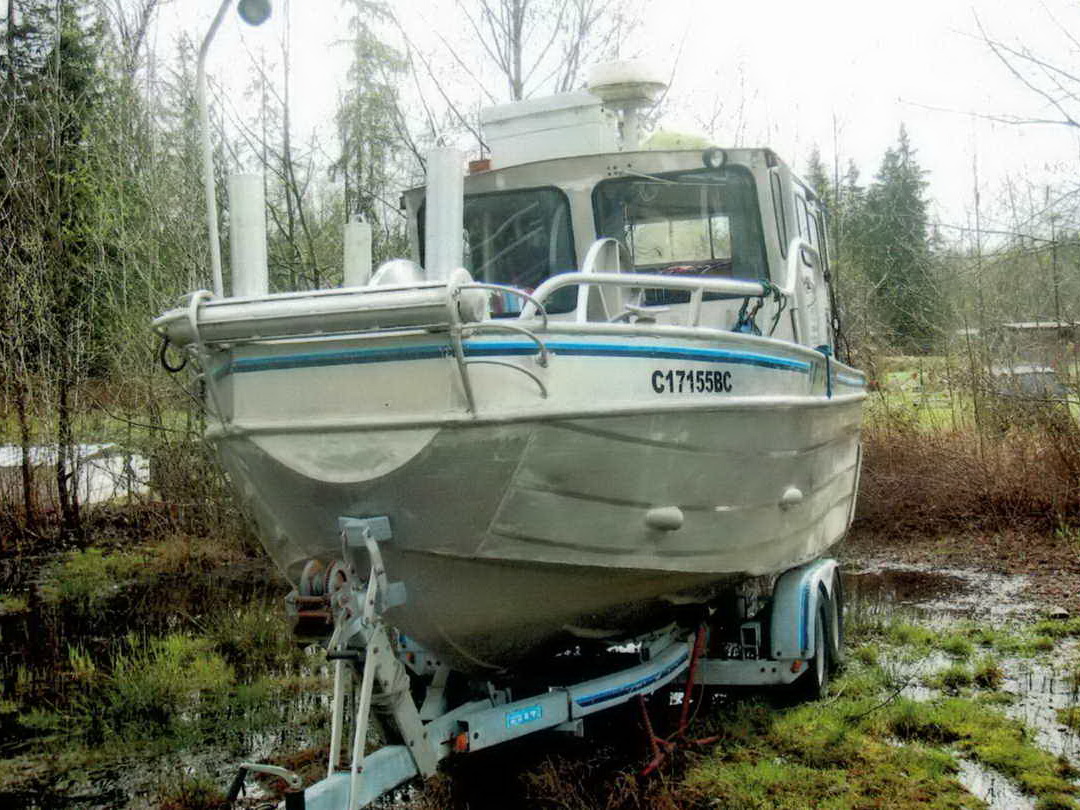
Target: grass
[
  {"x": 988, "y": 674},
  {"x": 11, "y": 605},
  {"x": 988, "y": 737},
  {"x": 159, "y": 682},
  {"x": 868, "y": 746},
  {"x": 192, "y": 793},
  {"x": 870, "y": 629},
  {"x": 84, "y": 580},
  {"x": 952, "y": 678},
  {"x": 1070, "y": 717},
  {"x": 820, "y": 755},
  {"x": 955, "y": 645},
  {"x": 906, "y": 634},
  {"x": 1057, "y": 628},
  {"x": 255, "y": 639}
]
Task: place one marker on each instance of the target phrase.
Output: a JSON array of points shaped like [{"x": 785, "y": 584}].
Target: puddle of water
[
  {"x": 137, "y": 783},
  {"x": 942, "y": 592},
  {"x": 1040, "y": 686},
  {"x": 1043, "y": 687},
  {"x": 992, "y": 787}
]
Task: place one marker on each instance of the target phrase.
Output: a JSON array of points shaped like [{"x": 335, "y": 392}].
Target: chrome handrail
[
  {"x": 529, "y": 299},
  {"x": 732, "y": 288},
  {"x": 458, "y": 331},
  {"x": 454, "y": 317}
]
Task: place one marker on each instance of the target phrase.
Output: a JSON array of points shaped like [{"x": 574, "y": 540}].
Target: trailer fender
[{"x": 796, "y": 598}]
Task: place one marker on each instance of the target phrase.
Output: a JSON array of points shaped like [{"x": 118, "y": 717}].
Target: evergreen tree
[
  {"x": 818, "y": 178},
  {"x": 372, "y": 129},
  {"x": 890, "y": 243}
]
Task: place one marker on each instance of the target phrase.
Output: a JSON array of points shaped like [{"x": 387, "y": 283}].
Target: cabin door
[{"x": 811, "y": 289}]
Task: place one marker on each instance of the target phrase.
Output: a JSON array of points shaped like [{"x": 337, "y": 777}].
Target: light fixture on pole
[{"x": 254, "y": 12}]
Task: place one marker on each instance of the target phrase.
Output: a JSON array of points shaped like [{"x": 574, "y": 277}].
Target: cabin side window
[
  {"x": 519, "y": 239},
  {"x": 778, "y": 212},
  {"x": 802, "y": 219},
  {"x": 700, "y": 223},
  {"x": 822, "y": 241}
]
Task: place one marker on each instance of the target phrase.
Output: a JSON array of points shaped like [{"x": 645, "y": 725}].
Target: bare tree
[
  {"x": 542, "y": 45},
  {"x": 1049, "y": 79}
]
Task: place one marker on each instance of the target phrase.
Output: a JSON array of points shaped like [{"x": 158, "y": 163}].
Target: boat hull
[{"x": 515, "y": 531}]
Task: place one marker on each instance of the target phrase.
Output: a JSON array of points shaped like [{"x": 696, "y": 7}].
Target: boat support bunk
[{"x": 805, "y": 634}]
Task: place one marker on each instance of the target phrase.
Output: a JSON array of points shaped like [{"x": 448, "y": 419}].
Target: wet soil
[
  {"x": 996, "y": 578},
  {"x": 987, "y": 579},
  {"x": 1036, "y": 572}
]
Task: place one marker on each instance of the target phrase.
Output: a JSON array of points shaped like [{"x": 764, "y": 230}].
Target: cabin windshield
[
  {"x": 699, "y": 223},
  {"x": 518, "y": 238}
]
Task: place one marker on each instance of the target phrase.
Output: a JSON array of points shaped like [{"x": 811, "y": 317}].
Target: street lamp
[{"x": 253, "y": 12}]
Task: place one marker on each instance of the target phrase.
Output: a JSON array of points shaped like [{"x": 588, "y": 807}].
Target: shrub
[
  {"x": 153, "y": 684},
  {"x": 256, "y": 640},
  {"x": 931, "y": 481}
]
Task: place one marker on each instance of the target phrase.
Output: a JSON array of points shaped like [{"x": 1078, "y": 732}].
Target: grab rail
[
  {"x": 459, "y": 329},
  {"x": 730, "y": 288},
  {"x": 542, "y": 350},
  {"x": 502, "y": 288}
]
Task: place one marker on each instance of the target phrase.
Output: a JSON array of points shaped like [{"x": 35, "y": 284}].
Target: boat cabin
[{"x": 533, "y": 210}]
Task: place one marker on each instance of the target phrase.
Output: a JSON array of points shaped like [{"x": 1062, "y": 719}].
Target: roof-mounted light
[{"x": 714, "y": 157}]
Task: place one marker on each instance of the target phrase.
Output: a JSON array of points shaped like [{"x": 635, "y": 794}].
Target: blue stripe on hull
[{"x": 513, "y": 348}]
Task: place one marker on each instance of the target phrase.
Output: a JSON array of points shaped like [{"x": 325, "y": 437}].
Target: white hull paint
[{"x": 525, "y": 520}]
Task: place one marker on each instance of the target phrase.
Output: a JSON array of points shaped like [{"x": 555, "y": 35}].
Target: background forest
[{"x": 111, "y": 608}]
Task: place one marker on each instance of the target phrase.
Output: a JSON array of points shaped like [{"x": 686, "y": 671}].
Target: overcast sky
[{"x": 784, "y": 71}]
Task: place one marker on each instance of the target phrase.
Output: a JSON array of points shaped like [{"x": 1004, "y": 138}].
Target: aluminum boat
[{"x": 604, "y": 386}]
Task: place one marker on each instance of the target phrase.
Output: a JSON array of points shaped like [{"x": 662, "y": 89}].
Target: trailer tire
[{"x": 813, "y": 683}]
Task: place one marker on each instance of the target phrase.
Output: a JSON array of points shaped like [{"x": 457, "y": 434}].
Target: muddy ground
[{"x": 1047, "y": 566}]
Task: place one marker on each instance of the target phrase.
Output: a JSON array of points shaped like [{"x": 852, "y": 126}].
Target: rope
[
  {"x": 746, "y": 321},
  {"x": 165, "y": 360}
]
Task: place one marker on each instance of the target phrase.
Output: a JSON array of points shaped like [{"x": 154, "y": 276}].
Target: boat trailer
[{"x": 805, "y": 627}]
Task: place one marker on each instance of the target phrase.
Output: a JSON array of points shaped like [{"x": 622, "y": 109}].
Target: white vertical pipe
[
  {"x": 208, "y": 152},
  {"x": 357, "y": 254},
  {"x": 247, "y": 236},
  {"x": 444, "y": 213},
  {"x": 337, "y": 717}
]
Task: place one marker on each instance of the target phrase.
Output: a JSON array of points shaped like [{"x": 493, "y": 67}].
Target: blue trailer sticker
[{"x": 523, "y": 716}]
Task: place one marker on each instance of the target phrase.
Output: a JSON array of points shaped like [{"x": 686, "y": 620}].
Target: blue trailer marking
[
  {"x": 634, "y": 686},
  {"x": 520, "y": 717}
]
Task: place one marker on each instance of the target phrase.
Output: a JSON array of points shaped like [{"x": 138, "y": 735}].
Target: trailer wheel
[{"x": 813, "y": 683}]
